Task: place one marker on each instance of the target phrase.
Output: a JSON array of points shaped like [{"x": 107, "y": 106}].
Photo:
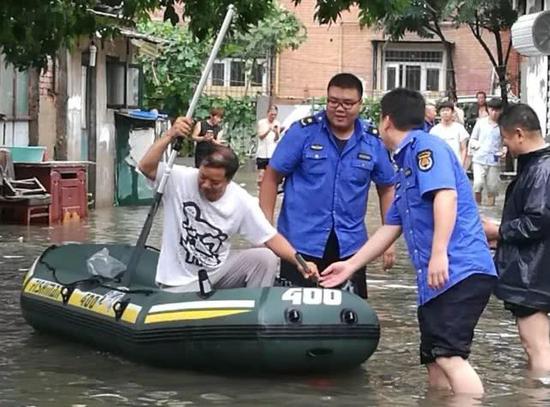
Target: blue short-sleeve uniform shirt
[
  {"x": 327, "y": 188},
  {"x": 425, "y": 165}
]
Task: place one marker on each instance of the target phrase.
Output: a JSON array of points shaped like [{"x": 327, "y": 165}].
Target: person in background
[
  {"x": 486, "y": 146},
  {"x": 268, "y": 131},
  {"x": 207, "y": 133},
  {"x": 523, "y": 237},
  {"x": 329, "y": 161},
  {"x": 435, "y": 210},
  {"x": 452, "y": 132},
  {"x": 429, "y": 117},
  {"x": 482, "y": 108},
  {"x": 458, "y": 113},
  {"x": 203, "y": 209}
]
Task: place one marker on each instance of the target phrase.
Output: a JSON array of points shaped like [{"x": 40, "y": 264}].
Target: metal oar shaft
[{"x": 142, "y": 239}]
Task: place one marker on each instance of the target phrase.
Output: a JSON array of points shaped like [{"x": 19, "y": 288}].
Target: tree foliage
[
  {"x": 32, "y": 30},
  {"x": 370, "y": 11},
  {"x": 171, "y": 75},
  {"x": 490, "y": 17},
  {"x": 423, "y": 17}
]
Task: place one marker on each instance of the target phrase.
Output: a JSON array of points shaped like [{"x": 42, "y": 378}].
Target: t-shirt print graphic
[{"x": 200, "y": 240}]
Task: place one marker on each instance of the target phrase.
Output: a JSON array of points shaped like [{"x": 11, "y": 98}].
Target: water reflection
[{"x": 42, "y": 370}]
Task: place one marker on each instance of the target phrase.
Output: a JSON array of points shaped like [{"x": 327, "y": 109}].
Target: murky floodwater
[{"x": 41, "y": 370}]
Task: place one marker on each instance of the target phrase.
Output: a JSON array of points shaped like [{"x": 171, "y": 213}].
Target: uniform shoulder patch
[
  {"x": 306, "y": 121},
  {"x": 425, "y": 160},
  {"x": 372, "y": 130}
]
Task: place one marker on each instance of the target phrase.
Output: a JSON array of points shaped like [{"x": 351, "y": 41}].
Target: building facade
[{"x": 414, "y": 62}]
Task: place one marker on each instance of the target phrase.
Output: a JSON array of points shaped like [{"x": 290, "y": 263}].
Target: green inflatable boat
[{"x": 278, "y": 329}]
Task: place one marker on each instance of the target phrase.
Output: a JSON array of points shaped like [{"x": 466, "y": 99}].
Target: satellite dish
[{"x": 531, "y": 34}]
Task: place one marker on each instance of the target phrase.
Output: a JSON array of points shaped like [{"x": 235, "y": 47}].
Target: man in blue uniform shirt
[
  {"x": 435, "y": 209},
  {"x": 328, "y": 161}
]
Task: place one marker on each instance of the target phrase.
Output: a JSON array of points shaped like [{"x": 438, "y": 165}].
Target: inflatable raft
[{"x": 279, "y": 329}]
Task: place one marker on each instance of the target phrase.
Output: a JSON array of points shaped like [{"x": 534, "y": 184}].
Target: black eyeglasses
[{"x": 346, "y": 104}]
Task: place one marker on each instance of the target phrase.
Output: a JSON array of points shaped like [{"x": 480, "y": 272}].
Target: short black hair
[
  {"x": 404, "y": 107},
  {"x": 222, "y": 157},
  {"x": 446, "y": 104},
  {"x": 480, "y": 92},
  {"x": 495, "y": 103},
  {"x": 520, "y": 115},
  {"x": 346, "y": 81}
]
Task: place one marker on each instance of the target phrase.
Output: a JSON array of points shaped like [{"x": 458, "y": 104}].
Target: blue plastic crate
[{"x": 32, "y": 154}]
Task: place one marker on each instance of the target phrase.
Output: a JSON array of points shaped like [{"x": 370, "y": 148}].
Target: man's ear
[{"x": 520, "y": 133}]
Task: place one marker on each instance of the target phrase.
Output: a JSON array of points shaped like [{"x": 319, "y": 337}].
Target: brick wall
[
  {"x": 344, "y": 46},
  {"x": 47, "y": 82}
]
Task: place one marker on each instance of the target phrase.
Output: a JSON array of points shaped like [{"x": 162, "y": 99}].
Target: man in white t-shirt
[
  {"x": 486, "y": 149},
  {"x": 203, "y": 208},
  {"x": 268, "y": 131},
  {"x": 452, "y": 132}
]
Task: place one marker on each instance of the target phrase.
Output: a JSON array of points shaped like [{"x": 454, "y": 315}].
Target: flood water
[{"x": 42, "y": 370}]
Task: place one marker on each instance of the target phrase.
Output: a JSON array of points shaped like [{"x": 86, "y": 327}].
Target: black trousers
[{"x": 331, "y": 255}]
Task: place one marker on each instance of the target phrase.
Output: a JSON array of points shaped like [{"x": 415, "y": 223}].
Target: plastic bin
[{"x": 29, "y": 154}]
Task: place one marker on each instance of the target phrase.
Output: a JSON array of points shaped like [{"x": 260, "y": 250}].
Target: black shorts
[
  {"x": 261, "y": 163},
  {"x": 447, "y": 322},
  {"x": 521, "y": 311},
  {"x": 290, "y": 273}
]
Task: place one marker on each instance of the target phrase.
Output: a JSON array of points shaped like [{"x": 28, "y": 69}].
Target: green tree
[
  {"x": 32, "y": 30},
  {"x": 424, "y": 18},
  {"x": 279, "y": 30},
  {"x": 170, "y": 76},
  {"x": 371, "y": 11},
  {"x": 493, "y": 17}
]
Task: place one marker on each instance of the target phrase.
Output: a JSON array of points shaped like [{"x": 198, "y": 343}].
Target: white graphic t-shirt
[{"x": 196, "y": 232}]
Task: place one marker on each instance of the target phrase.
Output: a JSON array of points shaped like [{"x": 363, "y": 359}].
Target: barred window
[{"x": 413, "y": 56}]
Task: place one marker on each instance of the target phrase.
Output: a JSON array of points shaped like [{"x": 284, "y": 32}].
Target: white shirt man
[
  {"x": 203, "y": 208},
  {"x": 452, "y": 132}
]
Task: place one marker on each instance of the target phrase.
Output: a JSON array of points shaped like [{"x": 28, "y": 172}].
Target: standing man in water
[
  {"x": 435, "y": 209},
  {"x": 328, "y": 161},
  {"x": 523, "y": 237}
]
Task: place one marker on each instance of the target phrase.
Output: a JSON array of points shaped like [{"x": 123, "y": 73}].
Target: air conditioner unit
[{"x": 531, "y": 34}]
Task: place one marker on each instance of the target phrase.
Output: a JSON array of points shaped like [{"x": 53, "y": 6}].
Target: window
[
  {"x": 432, "y": 79},
  {"x": 218, "y": 74},
  {"x": 14, "y": 88},
  {"x": 14, "y": 105},
  {"x": 237, "y": 73},
  {"x": 391, "y": 78},
  {"x": 414, "y": 56},
  {"x": 257, "y": 74},
  {"x": 417, "y": 69},
  {"x": 123, "y": 84},
  {"x": 232, "y": 72},
  {"x": 412, "y": 78}
]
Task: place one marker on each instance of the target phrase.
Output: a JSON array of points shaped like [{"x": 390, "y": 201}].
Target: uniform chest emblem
[
  {"x": 316, "y": 147},
  {"x": 364, "y": 156},
  {"x": 425, "y": 160}
]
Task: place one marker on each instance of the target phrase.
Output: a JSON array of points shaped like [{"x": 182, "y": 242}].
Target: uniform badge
[
  {"x": 316, "y": 147},
  {"x": 373, "y": 130},
  {"x": 306, "y": 121},
  {"x": 364, "y": 156},
  {"x": 425, "y": 160}
]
